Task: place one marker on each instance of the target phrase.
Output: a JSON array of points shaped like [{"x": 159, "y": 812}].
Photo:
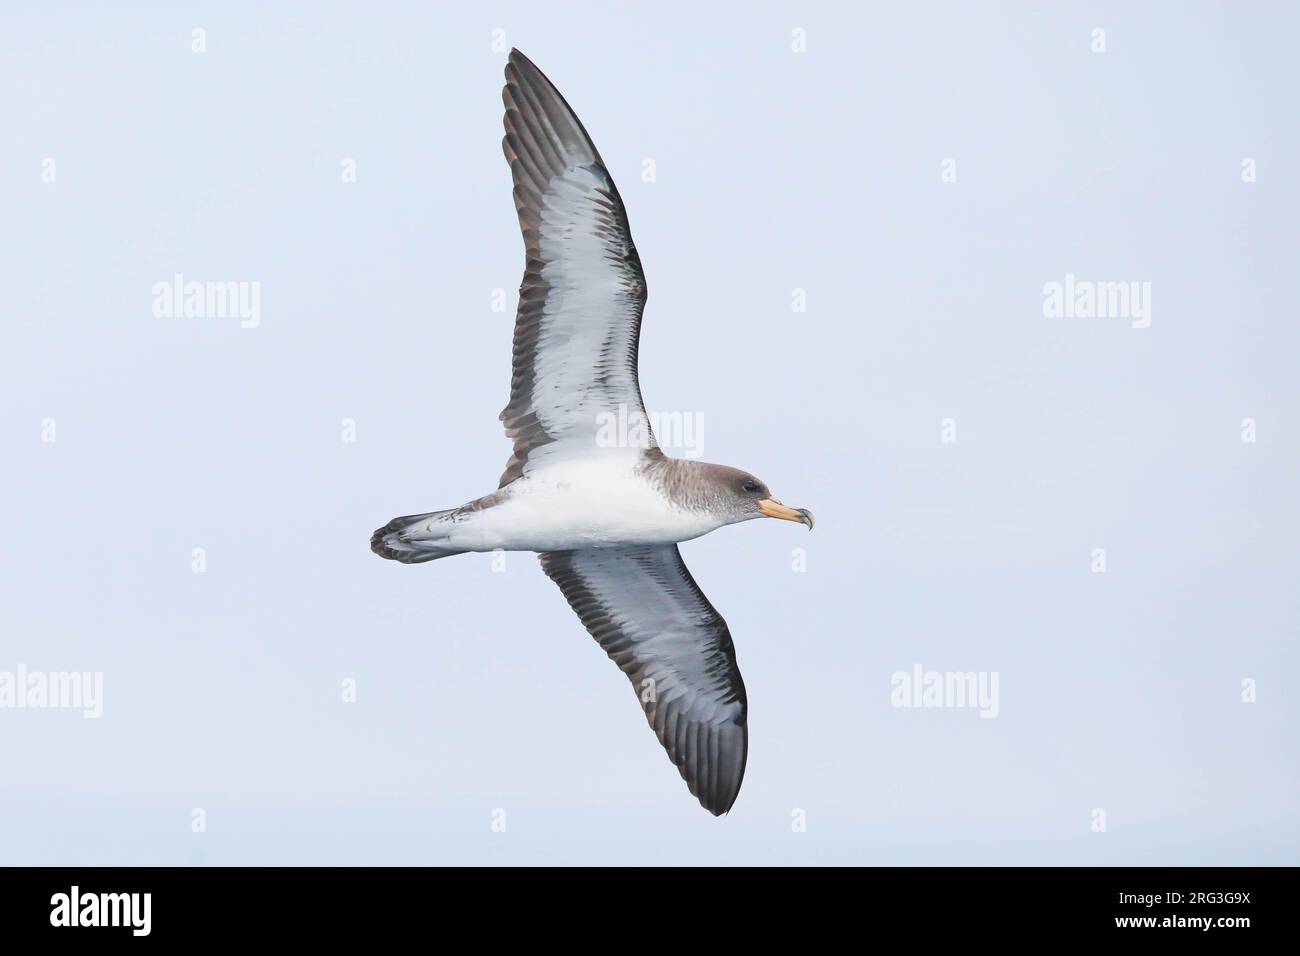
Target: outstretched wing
[
  {"x": 583, "y": 290},
  {"x": 645, "y": 610}
]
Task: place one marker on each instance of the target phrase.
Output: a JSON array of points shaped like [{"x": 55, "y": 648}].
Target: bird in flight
[{"x": 604, "y": 512}]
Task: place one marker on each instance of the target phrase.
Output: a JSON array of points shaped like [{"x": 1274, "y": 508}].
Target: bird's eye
[{"x": 750, "y": 485}]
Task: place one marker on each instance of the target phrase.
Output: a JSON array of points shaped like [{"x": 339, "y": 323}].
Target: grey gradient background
[{"x": 775, "y": 171}]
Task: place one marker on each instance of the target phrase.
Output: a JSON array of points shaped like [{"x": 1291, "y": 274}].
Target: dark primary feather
[
  {"x": 583, "y": 291},
  {"x": 644, "y": 608}
]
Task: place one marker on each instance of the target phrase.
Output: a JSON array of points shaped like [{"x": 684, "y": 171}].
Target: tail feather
[{"x": 409, "y": 539}]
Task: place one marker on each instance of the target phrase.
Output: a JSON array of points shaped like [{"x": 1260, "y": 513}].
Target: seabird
[{"x": 604, "y": 516}]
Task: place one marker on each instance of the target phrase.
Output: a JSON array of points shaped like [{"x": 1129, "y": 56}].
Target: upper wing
[
  {"x": 583, "y": 290},
  {"x": 645, "y": 610}
]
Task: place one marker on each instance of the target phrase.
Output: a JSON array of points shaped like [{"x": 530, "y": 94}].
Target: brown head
[{"x": 737, "y": 495}]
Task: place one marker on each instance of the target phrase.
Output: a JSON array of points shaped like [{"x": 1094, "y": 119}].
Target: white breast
[{"x": 580, "y": 505}]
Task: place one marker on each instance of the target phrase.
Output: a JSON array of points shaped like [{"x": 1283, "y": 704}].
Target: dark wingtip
[{"x": 720, "y": 807}]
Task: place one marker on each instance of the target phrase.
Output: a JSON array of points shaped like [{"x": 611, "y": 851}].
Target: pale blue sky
[{"x": 775, "y": 170}]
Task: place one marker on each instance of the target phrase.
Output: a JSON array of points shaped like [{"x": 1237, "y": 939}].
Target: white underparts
[{"x": 578, "y": 504}]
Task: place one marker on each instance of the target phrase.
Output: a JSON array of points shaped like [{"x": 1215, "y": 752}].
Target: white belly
[{"x": 592, "y": 504}]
